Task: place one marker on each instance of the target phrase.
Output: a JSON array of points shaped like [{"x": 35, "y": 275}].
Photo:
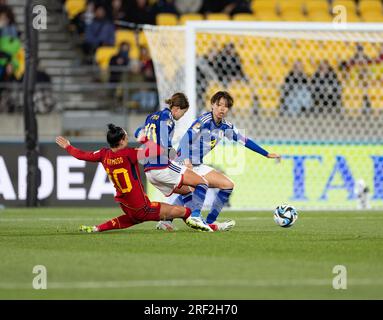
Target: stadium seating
[
  {"x": 268, "y": 97},
  {"x": 217, "y": 16},
  {"x": 371, "y": 10},
  {"x": 242, "y": 94},
  {"x": 348, "y": 4},
  {"x": 290, "y": 7},
  {"x": 128, "y": 36},
  {"x": 375, "y": 93},
  {"x": 316, "y": 7},
  {"x": 125, "y": 36},
  {"x": 267, "y": 16},
  {"x": 352, "y": 97},
  {"x": 103, "y": 56},
  {"x": 369, "y": 6},
  {"x": 190, "y": 17},
  {"x": 142, "y": 41},
  {"x": 166, "y": 19},
  {"x": 372, "y": 17},
  {"x": 20, "y": 57},
  {"x": 244, "y": 17},
  {"x": 74, "y": 7},
  {"x": 319, "y": 17},
  {"x": 264, "y": 6},
  {"x": 293, "y": 16}
]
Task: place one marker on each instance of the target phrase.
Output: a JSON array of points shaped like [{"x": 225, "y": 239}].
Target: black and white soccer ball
[{"x": 285, "y": 216}]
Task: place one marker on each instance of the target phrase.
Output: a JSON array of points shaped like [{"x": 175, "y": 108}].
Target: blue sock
[
  {"x": 197, "y": 200},
  {"x": 183, "y": 199},
  {"x": 220, "y": 200}
]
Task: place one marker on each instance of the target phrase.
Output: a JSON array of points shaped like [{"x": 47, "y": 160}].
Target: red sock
[
  {"x": 213, "y": 226},
  {"x": 187, "y": 214},
  {"x": 120, "y": 222}
]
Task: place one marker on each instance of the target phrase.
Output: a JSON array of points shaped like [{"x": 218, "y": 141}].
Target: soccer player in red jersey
[{"x": 121, "y": 165}]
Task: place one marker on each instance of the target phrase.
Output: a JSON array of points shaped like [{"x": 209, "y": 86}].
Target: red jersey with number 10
[{"x": 122, "y": 169}]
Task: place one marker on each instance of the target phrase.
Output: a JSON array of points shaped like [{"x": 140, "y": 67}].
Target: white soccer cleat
[
  {"x": 226, "y": 225},
  {"x": 198, "y": 224},
  {"x": 166, "y": 225}
]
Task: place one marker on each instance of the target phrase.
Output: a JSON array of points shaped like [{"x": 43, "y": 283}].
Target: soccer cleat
[
  {"x": 166, "y": 225},
  {"x": 225, "y": 226},
  {"x": 198, "y": 224},
  {"x": 88, "y": 229}
]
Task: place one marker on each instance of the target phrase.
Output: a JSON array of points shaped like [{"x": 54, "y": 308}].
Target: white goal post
[{"x": 309, "y": 91}]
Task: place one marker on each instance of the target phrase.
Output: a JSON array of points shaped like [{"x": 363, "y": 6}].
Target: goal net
[{"x": 311, "y": 92}]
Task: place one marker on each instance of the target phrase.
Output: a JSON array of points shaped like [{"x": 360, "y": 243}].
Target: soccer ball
[{"x": 285, "y": 216}]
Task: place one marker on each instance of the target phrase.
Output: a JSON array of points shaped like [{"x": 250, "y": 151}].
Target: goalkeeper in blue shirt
[{"x": 202, "y": 136}]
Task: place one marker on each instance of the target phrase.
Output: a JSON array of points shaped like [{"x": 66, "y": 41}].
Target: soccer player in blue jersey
[
  {"x": 160, "y": 170},
  {"x": 202, "y": 136}
]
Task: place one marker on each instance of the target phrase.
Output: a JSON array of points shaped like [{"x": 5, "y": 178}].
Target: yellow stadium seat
[
  {"x": 316, "y": 6},
  {"x": 166, "y": 19},
  {"x": 319, "y": 17},
  {"x": 125, "y": 36},
  {"x": 20, "y": 56},
  {"x": 244, "y": 17},
  {"x": 293, "y": 16},
  {"x": 263, "y": 6},
  {"x": 268, "y": 16},
  {"x": 268, "y": 97},
  {"x": 375, "y": 95},
  {"x": 352, "y": 97},
  {"x": 142, "y": 41},
  {"x": 372, "y": 17},
  {"x": 348, "y": 4},
  {"x": 217, "y": 16},
  {"x": 291, "y": 6},
  {"x": 103, "y": 56},
  {"x": 134, "y": 52},
  {"x": 190, "y": 17},
  {"x": 370, "y": 6},
  {"x": 74, "y": 7},
  {"x": 352, "y": 17},
  {"x": 242, "y": 95}
]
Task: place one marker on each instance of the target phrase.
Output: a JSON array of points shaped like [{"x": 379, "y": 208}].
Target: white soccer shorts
[
  {"x": 202, "y": 169},
  {"x": 168, "y": 179}
]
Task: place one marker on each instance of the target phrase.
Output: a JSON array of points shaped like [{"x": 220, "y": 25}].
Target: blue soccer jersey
[
  {"x": 204, "y": 134},
  {"x": 159, "y": 127}
]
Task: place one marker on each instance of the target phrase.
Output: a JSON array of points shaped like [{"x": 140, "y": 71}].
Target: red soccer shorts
[{"x": 151, "y": 212}]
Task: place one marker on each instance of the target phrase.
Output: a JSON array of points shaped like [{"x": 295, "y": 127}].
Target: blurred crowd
[
  {"x": 96, "y": 26},
  {"x": 11, "y": 71},
  {"x": 9, "y": 47}
]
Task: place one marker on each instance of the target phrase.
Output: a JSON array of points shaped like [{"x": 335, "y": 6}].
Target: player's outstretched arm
[{"x": 77, "y": 153}]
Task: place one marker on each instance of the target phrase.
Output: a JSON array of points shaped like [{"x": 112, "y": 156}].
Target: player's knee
[
  {"x": 205, "y": 181},
  {"x": 227, "y": 184}
]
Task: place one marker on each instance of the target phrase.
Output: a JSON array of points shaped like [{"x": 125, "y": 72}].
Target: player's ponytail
[
  {"x": 178, "y": 99},
  {"x": 115, "y": 135}
]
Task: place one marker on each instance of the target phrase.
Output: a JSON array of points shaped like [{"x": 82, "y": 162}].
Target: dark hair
[
  {"x": 178, "y": 99},
  {"x": 114, "y": 135},
  {"x": 222, "y": 94}
]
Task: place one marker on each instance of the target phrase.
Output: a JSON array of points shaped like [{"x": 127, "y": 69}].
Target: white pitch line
[{"x": 192, "y": 283}]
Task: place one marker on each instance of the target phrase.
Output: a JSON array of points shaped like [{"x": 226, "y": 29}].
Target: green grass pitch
[{"x": 256, "y": 260}]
